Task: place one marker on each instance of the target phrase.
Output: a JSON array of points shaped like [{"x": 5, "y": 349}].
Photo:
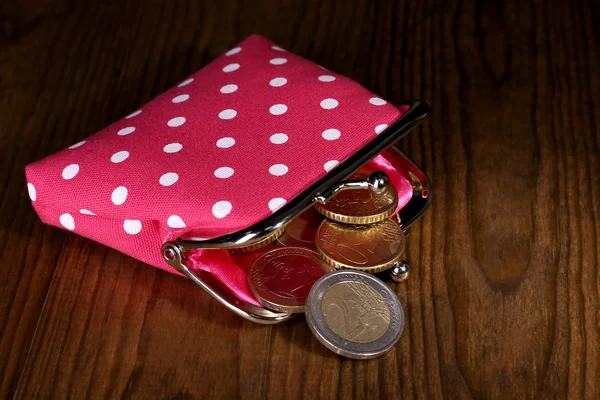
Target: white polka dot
[
  {"x": 327, "y": 78},
  {"x": 175, "y": 221},
  {"x": 277, "y": 82},
  {"x": 376, "y": 101},
  {"x": 380, "y": 128},
  {"x": 76, "y": 145},
  {"x": 132, "y": 226},
  {"x": 278, "y": 61},
  {"x": 226, "y": 142},
  {"x": 177, "y": 121},
  {"x": 67, "y": 221},
  {"x": 168, "y": 179},
  {"x": 331, "y": 164},
  {"x": 233, "y": 51},
  {"x": 70, "y": 171},
  {"x": 331, "y": 134},
  {"x": 276, "y": 203},
  {"x": 227, "y": 114},
  {"x": 328, "y": 104},
  {"x": 229, "y": 88},
  {"x": 181, "y": 98},
  {"x": 134, "y": 114},
  {"x": 231, "y": 67},
  {"x": 279, "y": 138},
  {"x": 277, "y": 48},
  {"x": 119, "y": 195},
  {"x": 172, "y": 148},
  {"x": 119, "y": 156},
  {"x": 86, "y": 212},
  {"x": 278, "y": 169},
  {"x": 223, "y": 172},
  {"x": 221, "y": 209},
  {"x": 31, "y": 191},
  {"x": 278, "y": 109},
  {"x": 126, "y": 131},
  {"x": 186, "y": 82}
]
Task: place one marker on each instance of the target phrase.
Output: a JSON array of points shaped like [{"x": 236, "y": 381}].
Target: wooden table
[{"x": 502, "y": 301}]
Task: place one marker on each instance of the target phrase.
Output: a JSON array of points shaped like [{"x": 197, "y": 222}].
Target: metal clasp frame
[{"x": 321, "y": 191}]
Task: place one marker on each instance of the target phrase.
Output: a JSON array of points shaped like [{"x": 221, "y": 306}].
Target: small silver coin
[{"x": 354, "y": 314}]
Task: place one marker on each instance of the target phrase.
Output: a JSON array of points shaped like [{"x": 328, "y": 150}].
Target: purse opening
[{"x": 231, "y": 270}]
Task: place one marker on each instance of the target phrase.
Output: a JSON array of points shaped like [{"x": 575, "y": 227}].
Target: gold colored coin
[
  {"x": 370, "y": 248},
  {"x": 356, "y": 312},
  {"x": 265, "y": 241},
  {"x": 301, "y": 231},
  {"x": 282, "y": 278},
  {"x": 360, "y": 206}
]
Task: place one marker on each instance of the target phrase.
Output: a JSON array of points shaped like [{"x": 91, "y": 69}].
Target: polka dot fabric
[{"x": 220, "y": 151}]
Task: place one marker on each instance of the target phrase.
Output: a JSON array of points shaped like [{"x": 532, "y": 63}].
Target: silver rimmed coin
[{"x": 354, "y": 314}]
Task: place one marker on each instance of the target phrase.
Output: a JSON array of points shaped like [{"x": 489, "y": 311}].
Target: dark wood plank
[{"x": 503, "y": 297}]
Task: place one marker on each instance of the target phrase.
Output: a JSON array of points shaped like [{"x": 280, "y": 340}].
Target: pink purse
[{"x": 227, "y": 156}]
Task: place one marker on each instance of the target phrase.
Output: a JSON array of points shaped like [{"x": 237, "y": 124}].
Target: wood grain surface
[{"x": 503, "y": 300}]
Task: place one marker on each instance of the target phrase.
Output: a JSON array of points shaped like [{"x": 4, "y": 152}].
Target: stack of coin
[
  {"x": 358, "y": 233},
  {"x": 323, "y": 266}
]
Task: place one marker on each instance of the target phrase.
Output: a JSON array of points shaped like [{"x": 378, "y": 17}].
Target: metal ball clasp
[
  {"x": 400, "y": 271},
  {"x": 378, "y": 181}
]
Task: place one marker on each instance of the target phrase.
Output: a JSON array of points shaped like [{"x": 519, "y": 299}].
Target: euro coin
[
  {"x": 370, "y": 248},
  {"x": 282, "y": 278},
  {"x": 301, "y": 231},
  {"x": 263, "y": 242},
  {"x": 360, "y": 206},
  {"x": 354, "y": 314}
]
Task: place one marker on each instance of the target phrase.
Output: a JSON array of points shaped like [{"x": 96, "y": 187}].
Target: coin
[
  {"x": 246, "y": 258},
  {"x": 282, "y": 278},
  {"x": 263, "y": 242},
  {"x": 301, "y": 231},
  {"x": 360, "y": 206},
  {"x": 370, "y": 248},
  {"x": 354, "y": 314}
]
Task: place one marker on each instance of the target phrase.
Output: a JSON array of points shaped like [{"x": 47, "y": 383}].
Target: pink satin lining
[
  {"x": 231, "y": 270},
  {"x": 223, "y": 266},
  {"x": 397, "y": 177}
]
